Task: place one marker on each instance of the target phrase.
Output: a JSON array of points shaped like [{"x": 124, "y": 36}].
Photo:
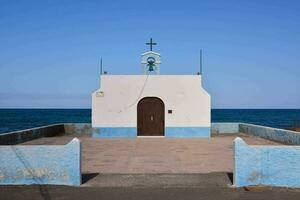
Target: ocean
[{"x": 18, "y": 119}]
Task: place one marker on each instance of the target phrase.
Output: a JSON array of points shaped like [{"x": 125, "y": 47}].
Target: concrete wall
[
  {"x": 115, "y": 103},
  {"x": 275, "y": 134},
  {"x": 17, "y": 137},
  {"x": 78, "y": 128},
  {"x": 41, "y": 164},
  {"x": 266, "y": 165},
  {"x": 224, "y": 128}
]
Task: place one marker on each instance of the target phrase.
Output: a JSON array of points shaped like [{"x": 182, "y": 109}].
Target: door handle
[{"x": 151, "y": 117}]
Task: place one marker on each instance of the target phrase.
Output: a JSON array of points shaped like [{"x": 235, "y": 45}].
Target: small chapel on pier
[{"x": 151, "y": 104}]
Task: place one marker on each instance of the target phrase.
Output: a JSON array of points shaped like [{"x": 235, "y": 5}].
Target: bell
[{"x": 151, "y": 69}]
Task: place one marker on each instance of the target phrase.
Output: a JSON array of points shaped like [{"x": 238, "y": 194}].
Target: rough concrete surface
[{"x": 211, "y": 186}]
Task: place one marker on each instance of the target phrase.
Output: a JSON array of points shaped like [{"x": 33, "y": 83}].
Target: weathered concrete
[
  {"x": 266, "y": 165},
  {"x": 166, "y": 187},
  {"x": 17, "y": 137},
  {"x": 78, "y": 129},
  {"x": 21, "y": 136},
  {"x": 224, "y": 128},
  {"x": 155, "y": 155},
  {"x": 57, "y": 164},
  {"x": 159, "y": 180},
  {"x": 275, "y": 134}
]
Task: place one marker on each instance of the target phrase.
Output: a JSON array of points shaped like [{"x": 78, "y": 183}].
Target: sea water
[{"x": 18, "y": 119}]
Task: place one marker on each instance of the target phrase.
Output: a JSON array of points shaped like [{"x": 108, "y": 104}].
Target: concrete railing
[
  {"x": 280, "y": 135},
  {"x": 275, "y": 134},
  {"x": 41, "y": 164},
  {"x": 224, "y": 128},
  {"x": 78, "y": 128},
  {"x": 266, "y": 165},
  {"x": 17, "y": 137},
  {"x": 21, "y": 136}
]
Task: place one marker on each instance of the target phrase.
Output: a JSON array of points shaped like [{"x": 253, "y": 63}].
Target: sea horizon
[{"x": 14, "y": 119}]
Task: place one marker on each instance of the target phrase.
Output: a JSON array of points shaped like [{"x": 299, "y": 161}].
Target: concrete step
[{"x": 216, "y": 179}]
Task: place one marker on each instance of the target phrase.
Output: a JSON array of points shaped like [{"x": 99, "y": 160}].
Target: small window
[{"x": 170, "y": 111}]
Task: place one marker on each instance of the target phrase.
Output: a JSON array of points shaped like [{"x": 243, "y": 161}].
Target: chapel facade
[{"x": 151, "y": 104}]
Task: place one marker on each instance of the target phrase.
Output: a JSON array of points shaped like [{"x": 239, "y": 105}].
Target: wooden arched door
[{"x": 151, "y": 117}]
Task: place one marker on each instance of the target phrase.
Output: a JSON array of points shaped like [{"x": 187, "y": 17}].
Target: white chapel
[{"x": 151, "y": 104}]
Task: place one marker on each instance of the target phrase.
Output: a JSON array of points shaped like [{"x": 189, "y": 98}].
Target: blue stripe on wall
[
  {"x": 131, "y": 132},
  {"x": 114, "y": 132},
  {"x": 188, "y": 132}
]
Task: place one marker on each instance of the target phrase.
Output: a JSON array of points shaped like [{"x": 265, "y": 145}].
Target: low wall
[
  {"x": 275, "y": 134},
  {"x": 41, "y": 164},
  {"x": 78, "y": 128},
  {"x": 224, "y": 128},
  {"x": 17, "y": 137},
  {"x": 266, "y": 165}
]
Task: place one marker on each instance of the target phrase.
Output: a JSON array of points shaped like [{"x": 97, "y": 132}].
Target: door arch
[{"x": 151, "y": 117}]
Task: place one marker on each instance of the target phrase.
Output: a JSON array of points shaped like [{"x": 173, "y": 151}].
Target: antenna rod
[
  {"x": 101, "y": 66},
  {"x": 200, "y": 61}
]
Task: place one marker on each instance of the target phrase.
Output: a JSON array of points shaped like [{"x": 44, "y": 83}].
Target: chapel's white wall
[{"x": 183, "y": 94}]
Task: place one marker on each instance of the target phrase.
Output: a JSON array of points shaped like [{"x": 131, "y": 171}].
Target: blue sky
[{"x": 50, "y": 50}]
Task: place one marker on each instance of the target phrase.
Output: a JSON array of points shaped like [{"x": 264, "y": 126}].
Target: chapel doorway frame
[{"x": 151, "y": 117}]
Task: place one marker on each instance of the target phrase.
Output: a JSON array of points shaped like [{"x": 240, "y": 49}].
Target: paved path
[
  {"x": 156, "y": 155},
  {"x": 213, "y": 186}
]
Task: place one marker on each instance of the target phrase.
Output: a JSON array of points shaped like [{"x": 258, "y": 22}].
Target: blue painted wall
[
  {"x": 41, "y": 164},
  {"x": 266, "y": 165},
  {"x": 131, "y": 132},
  {"x": 114, "y": 132},
  {"x": 187, "y": 132}
]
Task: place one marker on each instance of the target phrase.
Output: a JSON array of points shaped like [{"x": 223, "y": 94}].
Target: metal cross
[{"x": 151, "y": 44}]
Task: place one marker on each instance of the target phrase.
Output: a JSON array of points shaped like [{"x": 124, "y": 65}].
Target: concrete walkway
[
  {"x": 150, "y": 186},
  {"x": 155, "y": 155}
]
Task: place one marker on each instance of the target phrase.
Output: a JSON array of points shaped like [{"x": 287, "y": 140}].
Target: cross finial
[{"x": 151, "y": 44}]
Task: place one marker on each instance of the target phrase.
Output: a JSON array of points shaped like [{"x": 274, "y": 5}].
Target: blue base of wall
[
  {"x": 114, "y": 132},
  {"x": 187, "y": 132},
  {"x": 131, "y": 132}
]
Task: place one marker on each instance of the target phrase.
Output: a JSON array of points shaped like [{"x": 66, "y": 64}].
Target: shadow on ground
[{"x": 88, "y": 176}]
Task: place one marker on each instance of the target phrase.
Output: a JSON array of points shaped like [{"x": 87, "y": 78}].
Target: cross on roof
[{"x": 151, "y": 44}]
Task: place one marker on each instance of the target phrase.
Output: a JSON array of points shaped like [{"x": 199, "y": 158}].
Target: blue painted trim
[
  {"x": 131, "y": 132},
  {"x": 115, "y": 132},
  {"x": 188, "y": 132}
]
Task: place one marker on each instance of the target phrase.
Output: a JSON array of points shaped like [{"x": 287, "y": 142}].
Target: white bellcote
[{"x": 151, "y": 60}]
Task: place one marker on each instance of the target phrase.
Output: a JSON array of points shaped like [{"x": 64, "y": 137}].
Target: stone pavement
[{"x": 156, "y": 155}]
